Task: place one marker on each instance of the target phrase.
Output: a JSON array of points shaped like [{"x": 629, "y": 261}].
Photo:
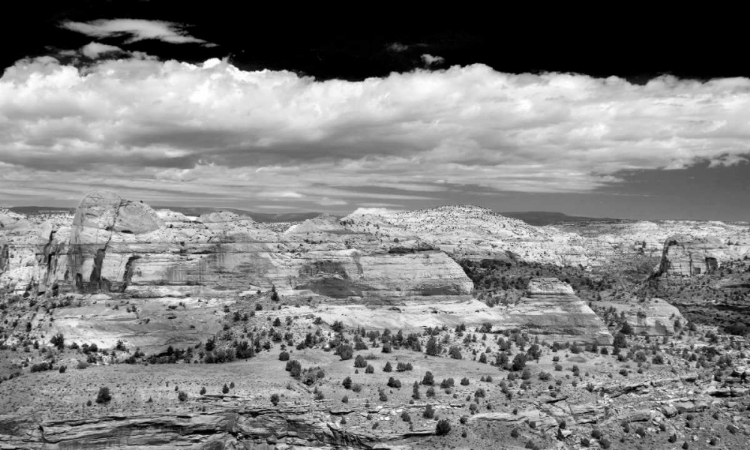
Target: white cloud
[
  {"x": 94, "y": 49},
  {"x": 137, "y": 29},
  {"x": 430, "y": 60},
  {"x": 398, "y": 47},
  {"x": 167, "y": 130}
]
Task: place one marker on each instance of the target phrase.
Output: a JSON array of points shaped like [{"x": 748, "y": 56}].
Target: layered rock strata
[
  {"x": 254, "y": 427},
  {"x": 653, "y": 317},
  {"x": 550, "y": 309},
  {"x": 116, "y": 245},
  {"x": 686, "y": 255}
]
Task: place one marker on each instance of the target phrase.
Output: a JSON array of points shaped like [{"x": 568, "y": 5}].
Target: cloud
[
  {"x": 430, "y": 60},
  {"x": 397, "y": 47},
  {"x": 94, "y": 49},
  {"x": 137, "y": 29},
  {"x": 164, "y": 131}
]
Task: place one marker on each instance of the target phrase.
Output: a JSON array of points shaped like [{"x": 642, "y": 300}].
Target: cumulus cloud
[
  {"x": 137, "y": 29},
  {"x": 158, "y": 130},
  {"x": 95, "y": 49},
  {"x": 430, "y": 60}
]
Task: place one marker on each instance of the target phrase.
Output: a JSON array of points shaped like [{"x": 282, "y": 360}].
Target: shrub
[
  {"x": 58, "y": 341},
  {"x": 356, "y": 387},
  {"x": 182, "y": 396},
  {"x": 275, "y": 399},
  {"x": 382, "y": 396},
  {"x": 203, "y": 390},
  {"x": 464, "y": 381},
  {"x": 388, "y": 367},
  {"x": 370, "y": 369},
  {"x": 41, "y": 367},
  {"x": 428, "y": 379},
  {"x": 430, "y": 391},
  {"x": 360, "y": 361},
  {"x": 104, "y": 395},
  {"x": 519, "y": 362},
  {"x": 225, "y": 389},
  {"x": 405, "y": 416},
  {"x": 415, "y": 391},
  {"x": 345, "y": 351},
  {"x": 620, "y": 341},
  {"x": 448, "y": 383},
  {"x": 284, "y": 356},
  {"x": 429, "y": 412},
  {"x": 294, "y": 368},
  {"x": 345, "y": 399},
  {"x": 443, "y": 427},
  {"x": 63, "y": 369},
  {"x": 347, "y": 383},
  {"x": 401, "y": 367}
]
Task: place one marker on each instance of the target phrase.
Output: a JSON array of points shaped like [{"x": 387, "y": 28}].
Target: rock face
[
  {"x": 686, "y": 255},
  {"x": 116, "y": 245},
  {"x": 471, "y": 232},
  {"x": 654, "y": 317},
  {"x": 255, "y": 428},
  {"x": 550, "y": 309}
]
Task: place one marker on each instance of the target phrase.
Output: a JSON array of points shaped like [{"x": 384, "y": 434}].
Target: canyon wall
[
  {"x": 117, "y": 245},
  {"x": 686, "y": 255}
]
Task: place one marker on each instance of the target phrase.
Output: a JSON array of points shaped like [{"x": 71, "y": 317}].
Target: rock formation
[
  {"x": 686, "y": 255},
  {"x": 255, "y": 427},
  {"x": 116, "y": 245},
  {"x": 551, "y": 310},
  {"x": 653, "y": 317}
]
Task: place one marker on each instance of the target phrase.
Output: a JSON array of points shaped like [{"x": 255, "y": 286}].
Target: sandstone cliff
[
  {"x": 686, "y": 255},
  {"x": 551, "y": 310},
  {"x": 116, "y": 245}
]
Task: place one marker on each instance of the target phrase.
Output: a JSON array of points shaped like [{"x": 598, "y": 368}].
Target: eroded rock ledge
[{"x": 249, "y": 428}]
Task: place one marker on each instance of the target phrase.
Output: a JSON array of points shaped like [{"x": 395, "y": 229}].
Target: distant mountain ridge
[{"x": 543, "y": 218}]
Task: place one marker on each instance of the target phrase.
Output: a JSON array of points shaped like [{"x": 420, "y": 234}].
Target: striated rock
[
  {"x": 654, "y": 317},
  {"x": 244, "y": 428},
  {"x": 691, "y": 406},
  {"x": 542, "y": 421},
  {"x": 687, "y": 255},
  {"x": 551, "y": 310},
  {"x": 116, "y": 245}
]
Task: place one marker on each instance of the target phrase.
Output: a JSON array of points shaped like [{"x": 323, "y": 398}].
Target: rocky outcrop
[
  {"x": 471, "y": 232},
  {"x": 653, "y": 317},
  {"x": 687, "y": 255},
  {"x": 551, "y": 310},
  {"x": 254, "y": 427}
]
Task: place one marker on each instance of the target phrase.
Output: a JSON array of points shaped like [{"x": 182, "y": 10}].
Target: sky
[{"x": 269, "y": 110}]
